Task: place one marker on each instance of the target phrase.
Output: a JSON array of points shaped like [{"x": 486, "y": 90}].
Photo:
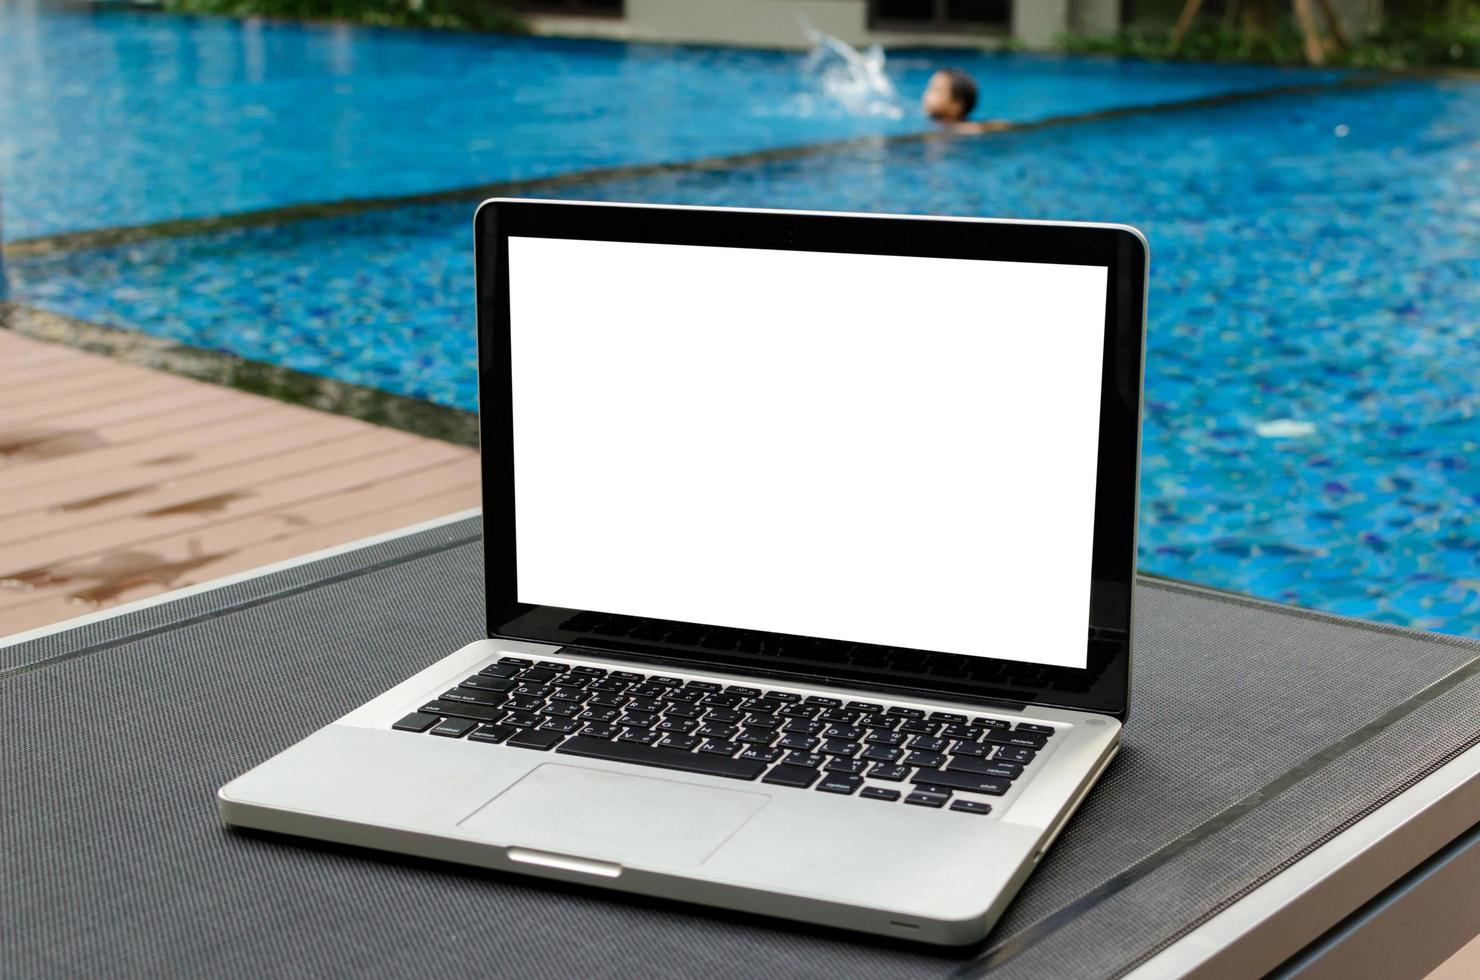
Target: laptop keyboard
[{"x": 874, "y": 750}]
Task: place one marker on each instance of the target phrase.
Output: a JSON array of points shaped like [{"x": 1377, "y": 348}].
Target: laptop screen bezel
[{"x": 1103, "y": 687}]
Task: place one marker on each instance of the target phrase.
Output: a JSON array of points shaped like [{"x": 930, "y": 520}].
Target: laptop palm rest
[{"x": 562, "y": 810}]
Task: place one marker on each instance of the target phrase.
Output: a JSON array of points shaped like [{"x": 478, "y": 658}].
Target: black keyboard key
[
  {"x": 560, "y": 710},
  {"x": 662, "y": 758},
  {"x": 684, "y": 743},
  {"x": 987, "y": 767},
  {"x": 839, "y": 716},
  {"x": 800, "y": 727},
  {"x": 917, "y": 726},
  {"x": 879, "y": 793},
  {"x": 559, "y": 668},
  {"x": 849, "y": 733},
  {"x": 640, "y": 736},
  {"x": 928, "y": 743},
  {"x": 996, "y": 723},
  {"x": 417, "y": 721},
  {"x": 840, "y": 763},
  {"x": 881, "y": 753},
  {"x": 600, "y": 715},
  {"x": 893, "y": 773},
  {"x": 802, "y": 743},
  {"x": 839, "y": 782},
  {"x": 785, "y": 696},
  {"x": 523, "y": 702},
  {"x": 823, "y": 702},
  {"x": 666, "y": 681},
  {"x": 971, "y": 749},
  {"x": 480, "y": 683},
  {"x": 542, "y": 739},
  {"x": 1044, "y": 730},
  {"x": 1021, "y": 740},
  {"x": 651, "y": 705},
  {"x": 929, "y": 760},
  {"x": 762, "y": 721},
  {"x": 537, "y": 675},
  {"x": 807, "y": 760},
  {"x": 571, "y": 695},
  {"x": 806, "y": 712},
  {"x": 761, "y": 754},
  {"x": 766, "y": 706},
  {"x": 840, "y": 746},
  {"x": 744, "y": 692},
  {"x": 885, "y": 738},
  {"x": 457, "y": 709},
  {"x": 599, "y": 730},
  {"x": 453, "y": 727},
  {"x": 589, "y": 671},
  {"x": 868, "y": 707},
  {"x": 1008, "y": 753},
  {"x": 712, "y": 730},
  {"x": 969, "y": 782},
  {"x": 878, "y": 723},
  {"x": 787, "y": 775},
  {"x": 500, "y": 670},
  {"x": 705, "y": 686},
  {"x": 971, "y": 806},
  {"x": 725, "y": 716},
  {"x": 721, "y": 700},
  {"x": 492, "y": 733},
  {"x": 609, "y": 701},
  {"x": 686, "y": 695},
  {"x": 516, "y": 661},
  {"x": 756, "y": 736},
  {"x": 946, "y": 716},
  {"x": 683, "y": 711},
  {"x": 638, "y": 719},
  {"x": 681, "y": 725},
  {"x": 626, "y": 675},
  {"x": 522, "y": 719},
  {"x": 968, "y": 732},
  {"x": 473, "y": 696},
  {"x": 933, "y": 800},
  {"x": 562, "y": 725},
  {"x": 907, "y": 712}
]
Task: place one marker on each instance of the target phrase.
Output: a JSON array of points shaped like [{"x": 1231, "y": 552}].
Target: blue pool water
[
  {"x": 119, "y": 118},
  {"x": 1312, "y": 414}
]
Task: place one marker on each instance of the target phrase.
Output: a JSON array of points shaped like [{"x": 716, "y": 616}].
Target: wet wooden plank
[
  {"x": 123, "y": 482},
  {"x": 207, "y": 552},
  {"x": 287, "y": 453},
  {"x": 281, "y": 483},
  {"x": 43, "y": 482}
]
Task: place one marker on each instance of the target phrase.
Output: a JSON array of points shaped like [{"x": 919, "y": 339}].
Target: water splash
[{"x": 848, "y": 78}]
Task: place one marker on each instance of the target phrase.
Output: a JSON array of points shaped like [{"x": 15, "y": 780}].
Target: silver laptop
[{"x": 809, "y": 543}]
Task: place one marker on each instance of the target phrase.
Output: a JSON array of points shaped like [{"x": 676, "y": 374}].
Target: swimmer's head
[{"x": 950, "y": 96}]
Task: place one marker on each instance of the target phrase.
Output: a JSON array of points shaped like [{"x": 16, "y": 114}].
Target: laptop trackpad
[{"x": 608, "y": 816}]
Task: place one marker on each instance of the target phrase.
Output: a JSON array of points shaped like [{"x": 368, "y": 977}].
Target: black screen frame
[{"x": 1102, "y": 687}]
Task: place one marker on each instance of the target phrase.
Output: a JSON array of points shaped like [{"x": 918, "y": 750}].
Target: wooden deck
[{"x": 119, "y": 482}]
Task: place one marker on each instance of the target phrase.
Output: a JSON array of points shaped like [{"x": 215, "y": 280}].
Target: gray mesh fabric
[{"x": 1256, "y": 733}]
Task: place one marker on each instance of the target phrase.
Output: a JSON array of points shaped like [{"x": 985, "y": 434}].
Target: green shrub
[
  {"x": 463, "y": 15},
  {"x": 1413, "y": 35}
]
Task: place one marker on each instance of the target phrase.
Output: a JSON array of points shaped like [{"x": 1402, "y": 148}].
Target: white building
[{"x": 773, "y": 23}]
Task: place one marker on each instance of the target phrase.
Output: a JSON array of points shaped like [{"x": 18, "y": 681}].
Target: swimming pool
[
  {"x": 1311, "y": 414},
  {"x": 119, "y": 118}
]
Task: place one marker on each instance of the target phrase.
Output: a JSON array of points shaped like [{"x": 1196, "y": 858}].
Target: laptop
[{"x": 809, "y": 544}]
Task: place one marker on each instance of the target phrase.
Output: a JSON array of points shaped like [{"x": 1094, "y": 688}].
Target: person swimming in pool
[{"x": 950, "y": 98}]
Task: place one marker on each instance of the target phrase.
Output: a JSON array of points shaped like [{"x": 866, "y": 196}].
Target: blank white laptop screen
[{"x": 869, "y": 448}]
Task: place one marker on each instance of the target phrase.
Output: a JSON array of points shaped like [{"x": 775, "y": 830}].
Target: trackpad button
[{"x": 629, "y": 819}]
